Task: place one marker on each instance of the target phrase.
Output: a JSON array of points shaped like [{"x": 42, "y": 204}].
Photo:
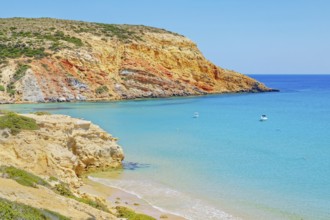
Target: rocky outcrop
[
  {"x": 59, "y": 151},
  {"x": 63, "y": 147},
  {"x": 30, "y": 88},
  {"x": 72, "y": 60}
]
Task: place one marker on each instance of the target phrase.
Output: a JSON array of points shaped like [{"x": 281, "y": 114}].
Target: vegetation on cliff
[
  {"x": 42, "y": 37},
  {"x": 63, "y": 190},
  {"x": 28, "y": 179},
  {"x": 40, "y": 167},
  {"x": 16, "y": 211},
  {"x": 41, "y": 113},
  {"x": 124, "y": 212},
  {"x": 78, "y": 61},
  {"x": 16, "y": 123},
  {"x": 22, "y": 177}
]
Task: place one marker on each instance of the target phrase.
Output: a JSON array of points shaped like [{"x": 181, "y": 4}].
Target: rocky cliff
[
  {"x": 41, "y": 166},
  {"x": 62, "y": 147},
  {"x": 46, "y": 60}
]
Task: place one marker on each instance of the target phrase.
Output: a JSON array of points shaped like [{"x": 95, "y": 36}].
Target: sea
[{"x": 226, "y": 163}]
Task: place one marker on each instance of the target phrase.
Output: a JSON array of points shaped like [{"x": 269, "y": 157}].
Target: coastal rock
[
  {"x": 91, "y": 61},
  {"x": 63, "y": 147},
  {"x": 30, "y": 88}
]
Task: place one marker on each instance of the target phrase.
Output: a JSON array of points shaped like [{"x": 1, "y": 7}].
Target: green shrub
[
  {"x": 94, "y": 203},
  {"x": 12, "y": 51},
  {"x": 2, "y": 88},
  {"x": 59, "y": 35},
  {"x": 63, "y": 190},
  {"x": 28, "y": 179},
  {"x": 55, "y": 46},
  {"x": 122, "y": 33},
  {"x": 52, "y": 179},
  {"x": 102, "y": 89},
  {"x": 20, "y": 72},
  {"x": 74, "y": 40},
  {"x": 16, "y": 123},
  {"x": 23, "y": 177},
  {"x": 11, "y": 92},
  {"x": 45, "y": 66},
  {"x": 124, "y": 212},
  {"x": 41, "y": 113},
  {"x": 12, "y": 210}
]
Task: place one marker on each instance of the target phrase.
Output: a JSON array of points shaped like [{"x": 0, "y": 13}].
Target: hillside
[
  {"x": 48, "y": 60},
  {"x": 44, "y": 160}
]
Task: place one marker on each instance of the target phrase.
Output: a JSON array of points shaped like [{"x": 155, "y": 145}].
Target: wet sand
[{"x": 117, "y": 197}]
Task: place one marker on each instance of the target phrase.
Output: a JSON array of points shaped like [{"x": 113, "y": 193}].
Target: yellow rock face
[
  {"x": 112, "y": 62},
  {"x": 63, "y": 147}
]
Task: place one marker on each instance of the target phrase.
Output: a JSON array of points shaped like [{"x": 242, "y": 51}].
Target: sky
[{"x": 248, "y": 36}]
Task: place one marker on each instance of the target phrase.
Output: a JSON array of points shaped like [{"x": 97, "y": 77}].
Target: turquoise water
[{"x": 225, "y": 164}]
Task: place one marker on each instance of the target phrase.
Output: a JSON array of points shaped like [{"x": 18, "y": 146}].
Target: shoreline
[
  {"x": 193, "y": 208},
  {"x": 119, "y": 197},
  {"x": 142, "y": 98}
]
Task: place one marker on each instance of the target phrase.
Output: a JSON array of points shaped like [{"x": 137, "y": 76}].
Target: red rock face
[{"x": 159, "y": 64}]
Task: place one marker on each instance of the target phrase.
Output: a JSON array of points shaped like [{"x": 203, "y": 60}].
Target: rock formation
[
  {"x": 42, "y": 161},
  {"x": 63, "y": 147},
  {"x": 47, "y": 60}
]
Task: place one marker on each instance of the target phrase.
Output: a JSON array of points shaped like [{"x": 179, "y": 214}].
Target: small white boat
[
  {"x": 196, "y": 115},
  {"x": 263, "y": 118}
]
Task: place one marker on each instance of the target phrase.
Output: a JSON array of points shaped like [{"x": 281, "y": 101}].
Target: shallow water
[{"x": 225, "y": 163}]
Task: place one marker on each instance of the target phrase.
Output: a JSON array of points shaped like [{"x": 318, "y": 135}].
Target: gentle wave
[{"x": 167, "y": 200}]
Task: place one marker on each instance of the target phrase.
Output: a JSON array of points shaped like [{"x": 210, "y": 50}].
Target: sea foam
[{"x": 167, "y": 200}]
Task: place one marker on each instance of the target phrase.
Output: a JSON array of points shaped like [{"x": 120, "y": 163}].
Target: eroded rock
[{"x": 63, "y": 147}]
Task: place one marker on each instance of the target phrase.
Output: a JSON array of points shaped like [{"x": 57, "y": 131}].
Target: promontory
[{"x": 51, "y": 60}]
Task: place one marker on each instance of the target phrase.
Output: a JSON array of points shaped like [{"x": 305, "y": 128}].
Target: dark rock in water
[{"x": 134, "y": 165}]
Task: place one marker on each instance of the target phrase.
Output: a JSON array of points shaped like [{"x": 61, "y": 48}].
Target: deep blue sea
[{"x": 225, "y": 164}]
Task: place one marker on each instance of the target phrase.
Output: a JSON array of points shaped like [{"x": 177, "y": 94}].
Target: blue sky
[{"x": 249, "y": 36}]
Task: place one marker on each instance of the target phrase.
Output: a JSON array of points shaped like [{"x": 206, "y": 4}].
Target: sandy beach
[{"x": 121, "y": 198}]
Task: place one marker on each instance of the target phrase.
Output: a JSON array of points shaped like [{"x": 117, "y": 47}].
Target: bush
[
  {"x": 74, "y": 40},
  {"x": 53, "y": 179},
  {"x": 123, "y": 34},
  {"x": 63, "y": 190},
  {"x": 28, "y": 179},
  {"x": 11, "y": 89},
  {"x": 59, "y": 35},
  {"x": 20, "y": 72},
  {"x": 94, "y": 203},
  {"x": 13, "y": 210},
  {"x": 41, "y": 113},
  {"x": 123, "y": 212},
  {"x": 102, "y": 89},
  {"x": 2, "y": 88},
  {"x": 22, "y": 177},
  {"x": 13, "y": 51},
  {"x": 16, "y": 123}
]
